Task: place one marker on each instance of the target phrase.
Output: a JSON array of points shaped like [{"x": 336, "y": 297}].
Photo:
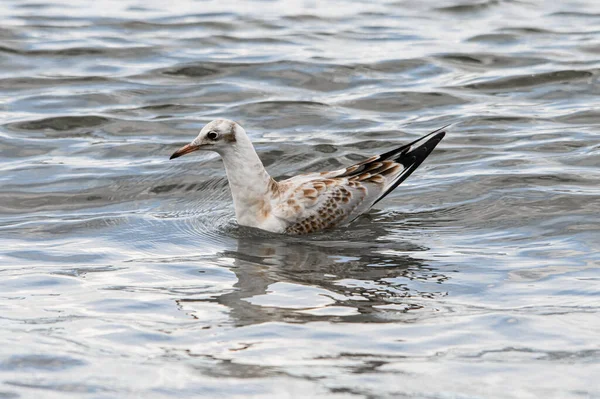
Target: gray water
[{"x": 125, "y": 275}]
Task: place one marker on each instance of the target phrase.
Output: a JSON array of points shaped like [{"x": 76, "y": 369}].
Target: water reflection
[{"x": 297, "y": 280}]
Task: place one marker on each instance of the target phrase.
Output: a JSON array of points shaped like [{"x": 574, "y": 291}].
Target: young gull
[{"x": 309, "y": 202}]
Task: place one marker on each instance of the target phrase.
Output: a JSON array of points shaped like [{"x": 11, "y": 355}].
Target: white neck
[{"x": 249, "y": 182}]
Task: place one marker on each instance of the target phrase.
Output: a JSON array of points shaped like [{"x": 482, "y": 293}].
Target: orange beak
[{"x": 186, "y": 149}]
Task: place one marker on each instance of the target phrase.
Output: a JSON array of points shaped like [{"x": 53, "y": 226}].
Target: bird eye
[{"x": 212, "y": 135}]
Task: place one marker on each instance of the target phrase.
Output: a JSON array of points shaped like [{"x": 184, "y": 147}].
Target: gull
[{"x": 309, "y": 202}]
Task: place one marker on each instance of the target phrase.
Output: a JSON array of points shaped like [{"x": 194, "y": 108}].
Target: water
[{"x": 123, "y": 274}]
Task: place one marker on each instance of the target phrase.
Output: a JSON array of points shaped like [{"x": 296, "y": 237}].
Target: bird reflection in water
[{"x": 358, "y": 280}]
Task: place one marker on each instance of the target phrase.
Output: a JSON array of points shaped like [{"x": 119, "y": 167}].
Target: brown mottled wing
[
  {"x": 319, "y": 201},
  {"x": 318, "y": 204}
]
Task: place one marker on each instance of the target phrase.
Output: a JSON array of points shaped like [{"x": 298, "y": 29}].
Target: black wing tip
[
  {"x": 397, "y": 153},
  {"x": 411, "y": 158},
  {"x": 436, "y": 134},
  {"x": 418, "y": 150},
  {"x": 438, "y": 137}
]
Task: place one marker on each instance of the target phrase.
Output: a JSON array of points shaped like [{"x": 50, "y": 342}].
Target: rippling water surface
[{"x": 123, "y": 274}]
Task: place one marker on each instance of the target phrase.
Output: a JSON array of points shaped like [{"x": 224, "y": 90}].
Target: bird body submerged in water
[{"x": 309, "y": 202}]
